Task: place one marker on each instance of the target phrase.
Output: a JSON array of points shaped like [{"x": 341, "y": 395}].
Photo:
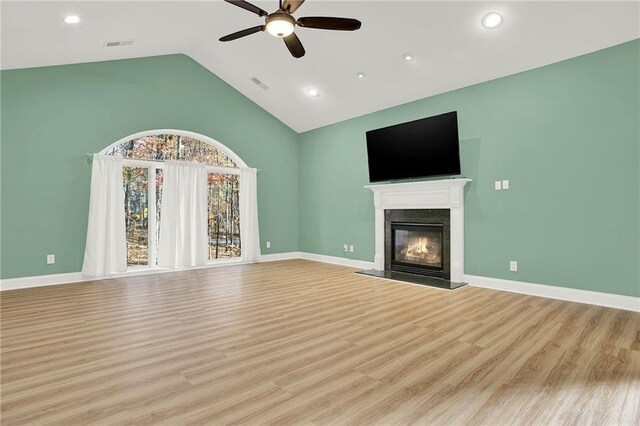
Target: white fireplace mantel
[{"x": 433, "y": 194}]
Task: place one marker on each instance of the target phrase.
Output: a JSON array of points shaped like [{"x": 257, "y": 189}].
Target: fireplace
[
  {"x": 418, "y": 248},
  {"x": 432, "y": 202}
]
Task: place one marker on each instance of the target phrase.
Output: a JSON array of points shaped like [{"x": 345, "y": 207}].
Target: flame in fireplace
[
  {"x": 420, "y": 247},
  {"x": 418, "y": 251}
]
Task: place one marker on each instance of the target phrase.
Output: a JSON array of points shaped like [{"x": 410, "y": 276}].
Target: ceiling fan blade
[
  {"x": 243, "y": 33},
  {"x": 248, "y": 6},
  {"x": 294, "y": 45},
  {"x": 291, "y": 5},
  {"x": 326, "y": 23}
]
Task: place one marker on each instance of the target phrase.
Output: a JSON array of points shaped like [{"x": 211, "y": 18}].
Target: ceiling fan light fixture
[{"x": 280, "y": 24}]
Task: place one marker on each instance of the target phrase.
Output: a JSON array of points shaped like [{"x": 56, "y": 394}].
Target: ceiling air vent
[
  {"x": 260, "y": 84},
  {"x": 119, "y": 43}
]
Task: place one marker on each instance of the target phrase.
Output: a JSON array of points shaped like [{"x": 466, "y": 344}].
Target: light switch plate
[
  {"x": 498, "y": 185},
  {"x": 505, "y": 184}
]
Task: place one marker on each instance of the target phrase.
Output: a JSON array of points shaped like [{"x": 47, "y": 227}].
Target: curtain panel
[
  {"x": 249, "y": 230},
  {"x": 106, "y": 250},
  {"x": 183, "y": 227}
]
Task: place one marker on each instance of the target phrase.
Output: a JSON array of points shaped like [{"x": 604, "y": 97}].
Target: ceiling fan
[{"x": 282, "y": 24}]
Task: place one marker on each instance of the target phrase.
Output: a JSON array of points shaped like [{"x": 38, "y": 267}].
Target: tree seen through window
[{"x": 141, "y": 200}]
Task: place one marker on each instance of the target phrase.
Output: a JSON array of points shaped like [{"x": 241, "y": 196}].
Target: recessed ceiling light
[
  {"x": 407, "y": 57},
  {"x": 312, "y": 92},
  {"x": 360, "y": 74},
  {"x": 491, "y": 20},
  {"x": 72, "y": 19}
]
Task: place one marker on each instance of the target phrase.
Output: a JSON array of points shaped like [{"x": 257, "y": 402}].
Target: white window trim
[{"x": 151, "y": 167}]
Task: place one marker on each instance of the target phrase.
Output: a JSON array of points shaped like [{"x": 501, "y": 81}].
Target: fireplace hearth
[{"x": 418, "y": 248}]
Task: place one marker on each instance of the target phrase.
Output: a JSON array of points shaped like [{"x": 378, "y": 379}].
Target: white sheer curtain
[
  {"x": 249, "y": 231},
  {"x": 106, "y": 248},
  {"x": 183, "y": 225}
]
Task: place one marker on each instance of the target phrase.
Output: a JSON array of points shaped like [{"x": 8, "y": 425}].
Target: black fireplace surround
[{"x": 418, "y": 241}]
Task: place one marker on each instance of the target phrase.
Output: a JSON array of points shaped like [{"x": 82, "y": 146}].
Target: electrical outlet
[
  {"x": 268, "y": 244},
  {"x": 513, "y": 266},
  {"x": 351, "y": 248},
  {"x": 345, "y": 248},
  {"x": 498, "y": 185},
  {"x": 51, "y": 259},
  {"x": 505, "y": 184}
]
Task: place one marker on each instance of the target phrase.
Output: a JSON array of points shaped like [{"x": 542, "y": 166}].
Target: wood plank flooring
[{"x": 305, "y": 343}]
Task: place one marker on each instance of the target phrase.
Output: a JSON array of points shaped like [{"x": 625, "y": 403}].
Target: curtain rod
[{"x": 90, "y": 159}]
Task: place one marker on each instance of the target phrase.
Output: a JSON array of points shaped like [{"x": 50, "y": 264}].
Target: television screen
[{"x": 421, "y": 148}]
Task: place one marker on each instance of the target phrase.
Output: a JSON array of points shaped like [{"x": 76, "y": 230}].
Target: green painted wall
[
  {"x": 566, "y": 136},
  {"x": 53, "y": 116}
]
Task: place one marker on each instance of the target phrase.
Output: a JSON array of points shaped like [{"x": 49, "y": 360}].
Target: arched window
[
  {"x": 144, "y": 154},
  {"x": 164, "y": 146}
]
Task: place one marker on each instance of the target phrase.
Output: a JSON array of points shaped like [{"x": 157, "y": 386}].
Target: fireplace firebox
[{"x": 418, "y": 248}]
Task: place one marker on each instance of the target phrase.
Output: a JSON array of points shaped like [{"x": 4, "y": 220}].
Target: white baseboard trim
[
  {"x": 75, "y": 277},
  {"x": 40, "y": 281},
  {"x": 334, "y": 260},
  {"x": 280, "y": 256},
  {"x": 618, "y": 301}
]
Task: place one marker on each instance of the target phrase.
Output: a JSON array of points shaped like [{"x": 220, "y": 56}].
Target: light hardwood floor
[{"x": 299, "y": 342}]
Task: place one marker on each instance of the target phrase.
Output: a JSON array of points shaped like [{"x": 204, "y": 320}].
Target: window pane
[
  {"x": 224, "y": 216},
  {"x": 172, "y": 147},
  {"x": 136, "y": 211}
]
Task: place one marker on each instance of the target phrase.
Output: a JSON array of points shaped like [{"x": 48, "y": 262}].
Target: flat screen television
[{"x": 417, "y": 149}]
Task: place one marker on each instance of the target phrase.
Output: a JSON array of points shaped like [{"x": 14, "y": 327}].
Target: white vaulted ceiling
[{"x": 450, "y": 47}]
